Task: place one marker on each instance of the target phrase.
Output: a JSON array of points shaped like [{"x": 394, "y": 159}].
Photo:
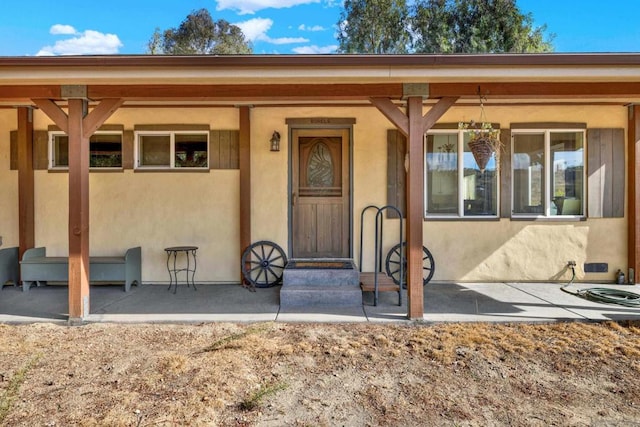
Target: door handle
[{"x": 294, "y": 198}]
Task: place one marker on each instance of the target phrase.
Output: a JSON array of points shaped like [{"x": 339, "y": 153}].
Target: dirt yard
[{"x": 277, "y": 374}]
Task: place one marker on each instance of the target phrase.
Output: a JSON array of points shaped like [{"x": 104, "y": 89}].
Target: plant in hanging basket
[{"x": 484, "y": 142}]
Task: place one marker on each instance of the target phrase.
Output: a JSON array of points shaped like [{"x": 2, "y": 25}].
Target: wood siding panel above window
[
  {"x": 396, "y": 175},
  {"x": 13, "y": 150},
  {"x": 40, "y": 150},
  {"x": 605, "y": 173},
  {"x": 224, "y": 149},
  {"x": 127, "y": 149}
]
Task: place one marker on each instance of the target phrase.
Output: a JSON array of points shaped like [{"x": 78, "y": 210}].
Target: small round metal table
[{"x": 174, "y": 268}]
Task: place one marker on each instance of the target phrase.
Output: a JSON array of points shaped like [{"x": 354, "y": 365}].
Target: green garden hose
[{"x": 604, "y": 295}]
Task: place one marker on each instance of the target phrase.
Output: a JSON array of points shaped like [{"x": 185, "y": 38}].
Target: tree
[
  {"x": 199, "y": 34},
  {"x": 439, "y": 26},
  {"x": 432, "y": 26},
  {"x": 475, "y": 26},
  {"x": 373, "y": 26}
]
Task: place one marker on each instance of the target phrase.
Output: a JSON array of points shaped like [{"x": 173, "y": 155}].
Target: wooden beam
[
  {"x": 437, "y": 111},
  {"x": 54, "y": 112},
  {"x": 415, "y": 203},
  {"x": 535, "y": 89},
  {"x": 28, "y": 92},
  {"x": 323, "y": 92},
  {"x": 26, "y": 210},
  {"x": 364, "y": 91},
  {"x": 393, "y": 113},
  {"x": 633, "y": 191},
  {"x": 320, "y": 92},
  {"x": 249, "y": 92},
  {"x": 99, "y": 114},
  {"x": 245, "y": 177},
  {"x": 78, "y": 211}
]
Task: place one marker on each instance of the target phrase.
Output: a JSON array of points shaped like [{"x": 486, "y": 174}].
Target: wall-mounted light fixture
[{"x": 275, "y": 141}]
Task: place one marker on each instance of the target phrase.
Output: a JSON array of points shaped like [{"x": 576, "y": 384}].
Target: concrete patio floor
[{"x": 443, "y": 302}]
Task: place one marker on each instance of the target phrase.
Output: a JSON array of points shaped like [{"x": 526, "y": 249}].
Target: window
[
  {"x": 160, "y": 149},
  {"x": 455, "y": 185},
  {"x": 548, "y": 172},
  {"x": 105, "y": 150}
]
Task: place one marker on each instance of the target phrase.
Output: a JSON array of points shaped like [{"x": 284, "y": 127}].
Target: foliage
[
  {"x": 475, "y": 26},
  {"x": 373, "y": 26},
  {"x": 199, "y": 34},
  {"x": 480, "y": 130},
  {"x": 439, "y": 26},
  {"x": 255, "y": 399}
]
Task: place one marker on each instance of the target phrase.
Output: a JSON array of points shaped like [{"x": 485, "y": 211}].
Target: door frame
[{"x": 319, "y": 124}]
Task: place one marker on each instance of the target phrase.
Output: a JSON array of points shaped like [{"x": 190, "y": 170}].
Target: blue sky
[{"x": 37, "y": 27}]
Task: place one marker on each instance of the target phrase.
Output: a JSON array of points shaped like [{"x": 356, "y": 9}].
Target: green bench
[
  {"x": 9, "y": 266},
  {"x": 36, "y": 267}
]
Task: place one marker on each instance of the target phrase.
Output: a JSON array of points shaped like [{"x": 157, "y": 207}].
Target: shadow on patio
[{"x": 443, "y": 302}]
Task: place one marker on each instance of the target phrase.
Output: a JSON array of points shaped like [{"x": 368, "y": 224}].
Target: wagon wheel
[
  {"x": 263, "y": 263},
  {"x": 392, "y": 264}
]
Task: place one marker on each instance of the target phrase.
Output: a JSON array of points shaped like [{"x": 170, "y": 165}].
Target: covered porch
[{"x": 79, "y": 95}]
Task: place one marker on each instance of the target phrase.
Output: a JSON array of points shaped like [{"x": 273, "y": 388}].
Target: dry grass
[
  {"x": 317, "y": 374},
  {"x": 12, "y": 390},
  {"x": 255, "y": 399}
]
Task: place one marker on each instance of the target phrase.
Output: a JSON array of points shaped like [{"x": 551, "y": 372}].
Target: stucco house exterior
[{"x": 102, "y": 153}]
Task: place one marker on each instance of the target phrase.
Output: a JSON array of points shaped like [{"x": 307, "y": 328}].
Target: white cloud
[
  {"x": 62, "y": 29},
  {"x": 244, "y": 7},
  {"x": 256, "y": 30},
  {"x": 309, "y": 50},
  {"x": 314, "y": 28},
  {"x": 286, "y": 40},
  {"x": 89, "y": 42}
]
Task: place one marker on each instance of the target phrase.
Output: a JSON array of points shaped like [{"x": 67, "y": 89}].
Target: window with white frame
[
  {"x": 105, "y": 150},
  {"x": 548, "y": 172},
  {"x": 163, "y": 149},
  {"x": 455, "y": 186}
]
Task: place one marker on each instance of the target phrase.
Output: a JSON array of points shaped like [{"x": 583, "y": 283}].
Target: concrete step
[
  {"x": 320, "y": 295},
  {"x": 336, "y": 272}
]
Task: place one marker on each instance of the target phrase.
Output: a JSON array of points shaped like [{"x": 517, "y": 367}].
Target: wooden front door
[{"x": 320, "y": 193}]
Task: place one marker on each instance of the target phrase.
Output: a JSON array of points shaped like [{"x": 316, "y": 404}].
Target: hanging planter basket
[
  {"x": 484, "y": 140},
  {"x": 483, "y": 147}
]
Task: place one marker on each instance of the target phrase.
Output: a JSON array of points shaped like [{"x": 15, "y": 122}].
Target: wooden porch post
[
  {"x": 78, "y": 211},
  {"x": 415, "y": 211},
  {"x": 414, "y": 125},
  {"x": 245, "y": 178},
  {"x": 79, "y": 125},
  {"x": 633, "y": 195},
  {"x": 26, "y": 210}
]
